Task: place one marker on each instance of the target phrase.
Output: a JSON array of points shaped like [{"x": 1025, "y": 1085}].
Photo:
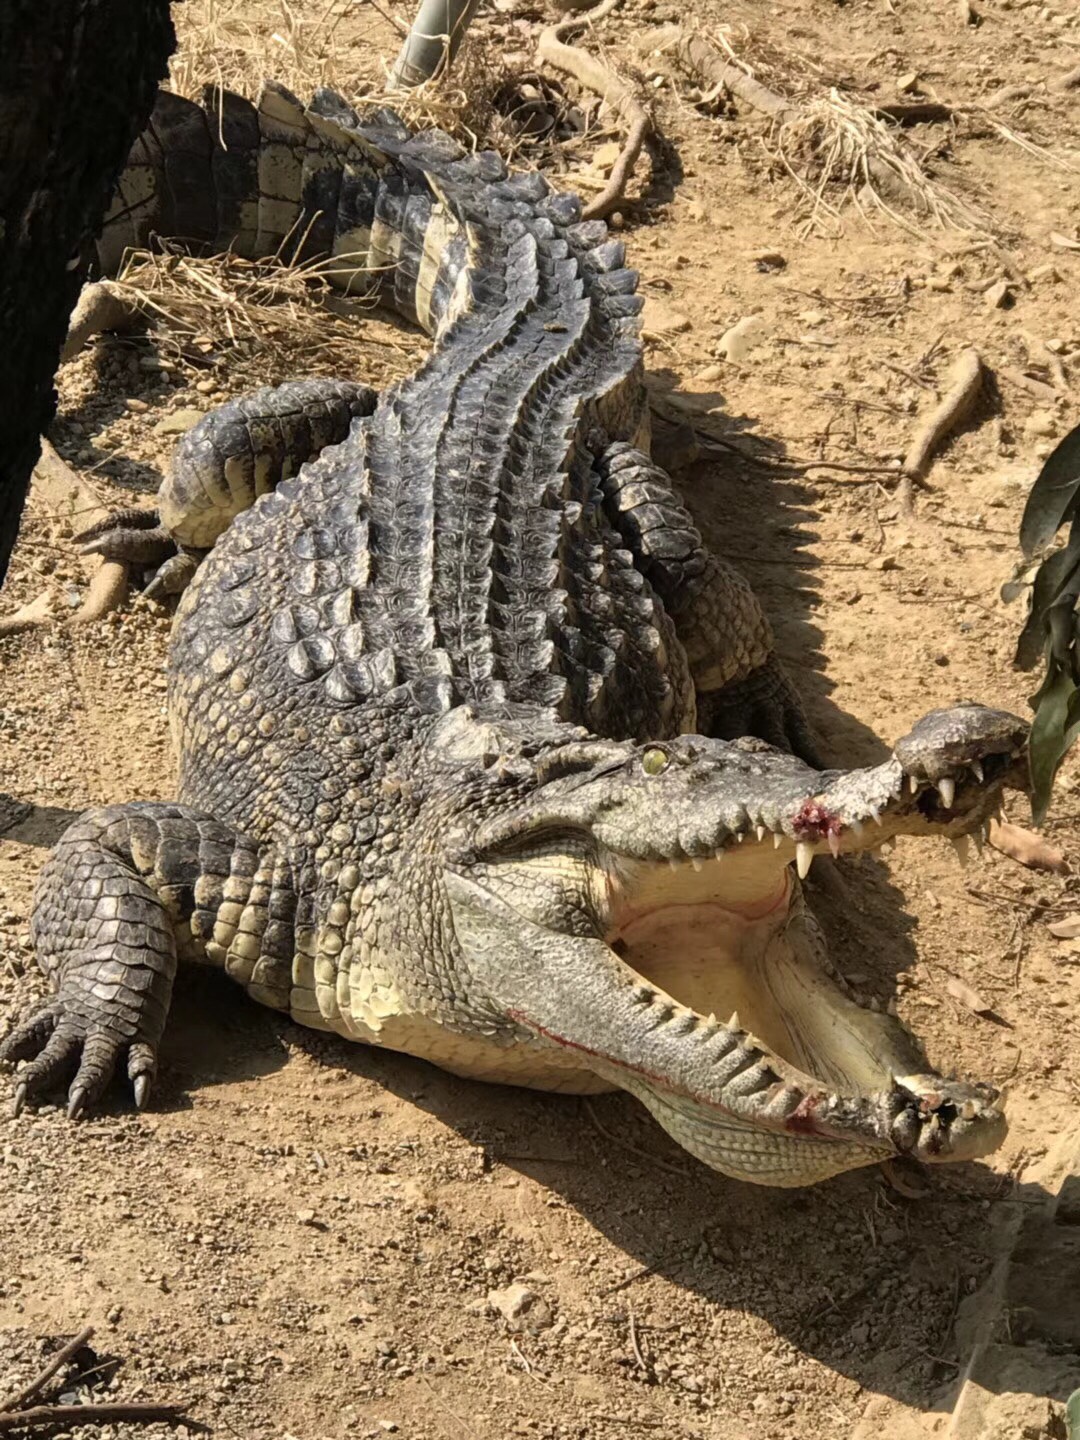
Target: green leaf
[
  {"x": 1055, "y": 727},
  {"x": 1053, "y": 496},
  {"x": 1056, "y": 577},
  {"x": 1072, "y": 1416}
]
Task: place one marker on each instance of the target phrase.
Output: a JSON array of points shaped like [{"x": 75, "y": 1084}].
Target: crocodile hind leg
[
  {"x": 220, "y": 467},
  {"x": 126, "y": 889},
  {"x": 742, "y": 688}
]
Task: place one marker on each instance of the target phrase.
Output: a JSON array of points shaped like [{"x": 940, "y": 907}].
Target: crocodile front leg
[
  {"x": 127, "y": 889},
  {"x": 220, "y": 467},
  {"x": 742, "y": 688}
]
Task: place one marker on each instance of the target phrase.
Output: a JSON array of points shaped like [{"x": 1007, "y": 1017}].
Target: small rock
[
  {"x": 306, "y": 1217},
  {"x": 521, "y": 1308},
  {"x": 137, "y": 407},
  {"x": 766, "y": 260},
  {"x": 206, "y": 387},
  {"x": 885, "y": 562},
  {"x": 908, "y": 84},
  {"x": 999, "y": 296},
  {"x": 179, "y": 422},
  {"x": 860, "y": 1334},
  {"x": 709, "y": 374},
  {"x": 1042, "y": 422},
  {"x": 660, "y": 318},
  {"x": 735, "y": 344},
  {"x": 606, "y": 156}
]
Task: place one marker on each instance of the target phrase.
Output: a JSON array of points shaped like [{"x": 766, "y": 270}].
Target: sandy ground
[{"x": 300, "y": 1238}]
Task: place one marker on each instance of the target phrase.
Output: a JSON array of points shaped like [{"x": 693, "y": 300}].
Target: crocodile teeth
[
  {"x": 804, "y": 854},
  {"x": 856, "y": 827},
  {"x": 947, "y": 789},
  {"x": 673, "y": 863},
  {"x": 967, "y": 1110},
  {"x": 977, "y": 771},
  {"x": 834, "y": 844},
  {"x": 696, "y": 863},
  {"x": 740, "y": 836},
  {"x": 719, "y": 852},
  {"x": 777, "y": 840},
  {"x": 962, "y": 845},
  {"x": 761, "y": 833},
  {"x": 913, "y": 784},
  {"x": 733, "y": 1023},
  {"x": 875, "y": 814}
]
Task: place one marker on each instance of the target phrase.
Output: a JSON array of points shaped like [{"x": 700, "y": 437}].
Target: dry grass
[
  {"x": 342, "y": 44},
  {"x": 287, "y": 319},
  {"x": 838, "y": 150}
]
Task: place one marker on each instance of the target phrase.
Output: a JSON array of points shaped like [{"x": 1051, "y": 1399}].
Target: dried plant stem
[
  {"x": 612, "y": 88},
  {"x": 52, "y": 1367}
]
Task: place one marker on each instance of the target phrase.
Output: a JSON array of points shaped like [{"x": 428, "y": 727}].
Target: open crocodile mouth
[{"x": 709, "y": 995}]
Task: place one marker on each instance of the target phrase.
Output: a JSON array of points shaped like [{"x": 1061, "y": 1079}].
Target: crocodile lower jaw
[{"x": 816, "y": 1082}]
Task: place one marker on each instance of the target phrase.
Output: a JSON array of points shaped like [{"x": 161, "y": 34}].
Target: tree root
[
  {"x": 70, "y": 497},
  {"x": 612, "y": 89}
]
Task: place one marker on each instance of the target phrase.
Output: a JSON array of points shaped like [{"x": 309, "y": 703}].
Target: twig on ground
[
  {"x": 41, "y": 1416},
  {"x": 17, "y": 1415},
  {"x": 1069, "y": 81},
  {"x": 616, "y": 92},
  {"x": 1038, "y": 388},
  {"x": 69, "y": 496},
  {"x": 965, "y": 386},
  {"x": 51, "y": 1367}
]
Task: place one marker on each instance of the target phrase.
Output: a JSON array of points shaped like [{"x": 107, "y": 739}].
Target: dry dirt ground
[{"x": 299, "y": 1239}]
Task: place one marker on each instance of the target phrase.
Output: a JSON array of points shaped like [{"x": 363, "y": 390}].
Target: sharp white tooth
[
  {"x": 875, "y": 814},
  {"x": 733, "y": 1023},
  {"x": 804, "y": 853},
  {"x": 913, "y": 784},
  {"x": 777, "y": 840},
  {"x": 834, "y": 844},
  {"x": 947, "y": 789},
  {"x": 856, "y": 828},
  {"x": 962, "y": 845},
  {"x": 978, "y": 772},
  {"x": 740, "y": 836},
  {"x": 719, "y": 852},
  {"x": 673, "y": 864},
  {"x": 761, "y": 833},
  {"x": 695, "y": 862}
]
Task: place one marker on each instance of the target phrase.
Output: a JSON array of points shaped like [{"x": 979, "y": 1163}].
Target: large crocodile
[{"x": 482, "y": 756}]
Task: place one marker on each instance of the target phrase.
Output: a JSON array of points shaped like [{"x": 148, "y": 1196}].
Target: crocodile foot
[{"x": 137, "y": 538}]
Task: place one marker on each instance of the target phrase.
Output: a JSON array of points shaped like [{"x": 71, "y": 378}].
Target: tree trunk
[{"x": 77, "y": 83}]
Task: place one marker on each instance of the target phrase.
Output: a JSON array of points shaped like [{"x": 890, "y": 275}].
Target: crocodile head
[{"x": 634, "y": 897}]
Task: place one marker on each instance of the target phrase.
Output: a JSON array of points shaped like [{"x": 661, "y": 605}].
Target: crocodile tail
[{"x": 310, "y": 185}]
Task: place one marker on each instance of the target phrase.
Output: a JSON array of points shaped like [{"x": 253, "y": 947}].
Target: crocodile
[{"x": 482, "y": 756}]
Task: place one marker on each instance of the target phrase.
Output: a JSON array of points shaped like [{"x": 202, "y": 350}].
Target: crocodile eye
[{"x": 655, "y": 761}]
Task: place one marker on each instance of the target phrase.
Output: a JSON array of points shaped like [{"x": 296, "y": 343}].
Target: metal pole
[{"x": 433, "y": 41}]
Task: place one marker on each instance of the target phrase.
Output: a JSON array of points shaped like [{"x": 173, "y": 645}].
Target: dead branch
[
  {"x": 965, "y": 385},
  {"x": 1068, "y": 81},
  {"x": 616, "y": 92},
  {"x": 703, "y": 62},
  {"x": 51, "y": 1368},
  {"x": 1027, "y": 848}
]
